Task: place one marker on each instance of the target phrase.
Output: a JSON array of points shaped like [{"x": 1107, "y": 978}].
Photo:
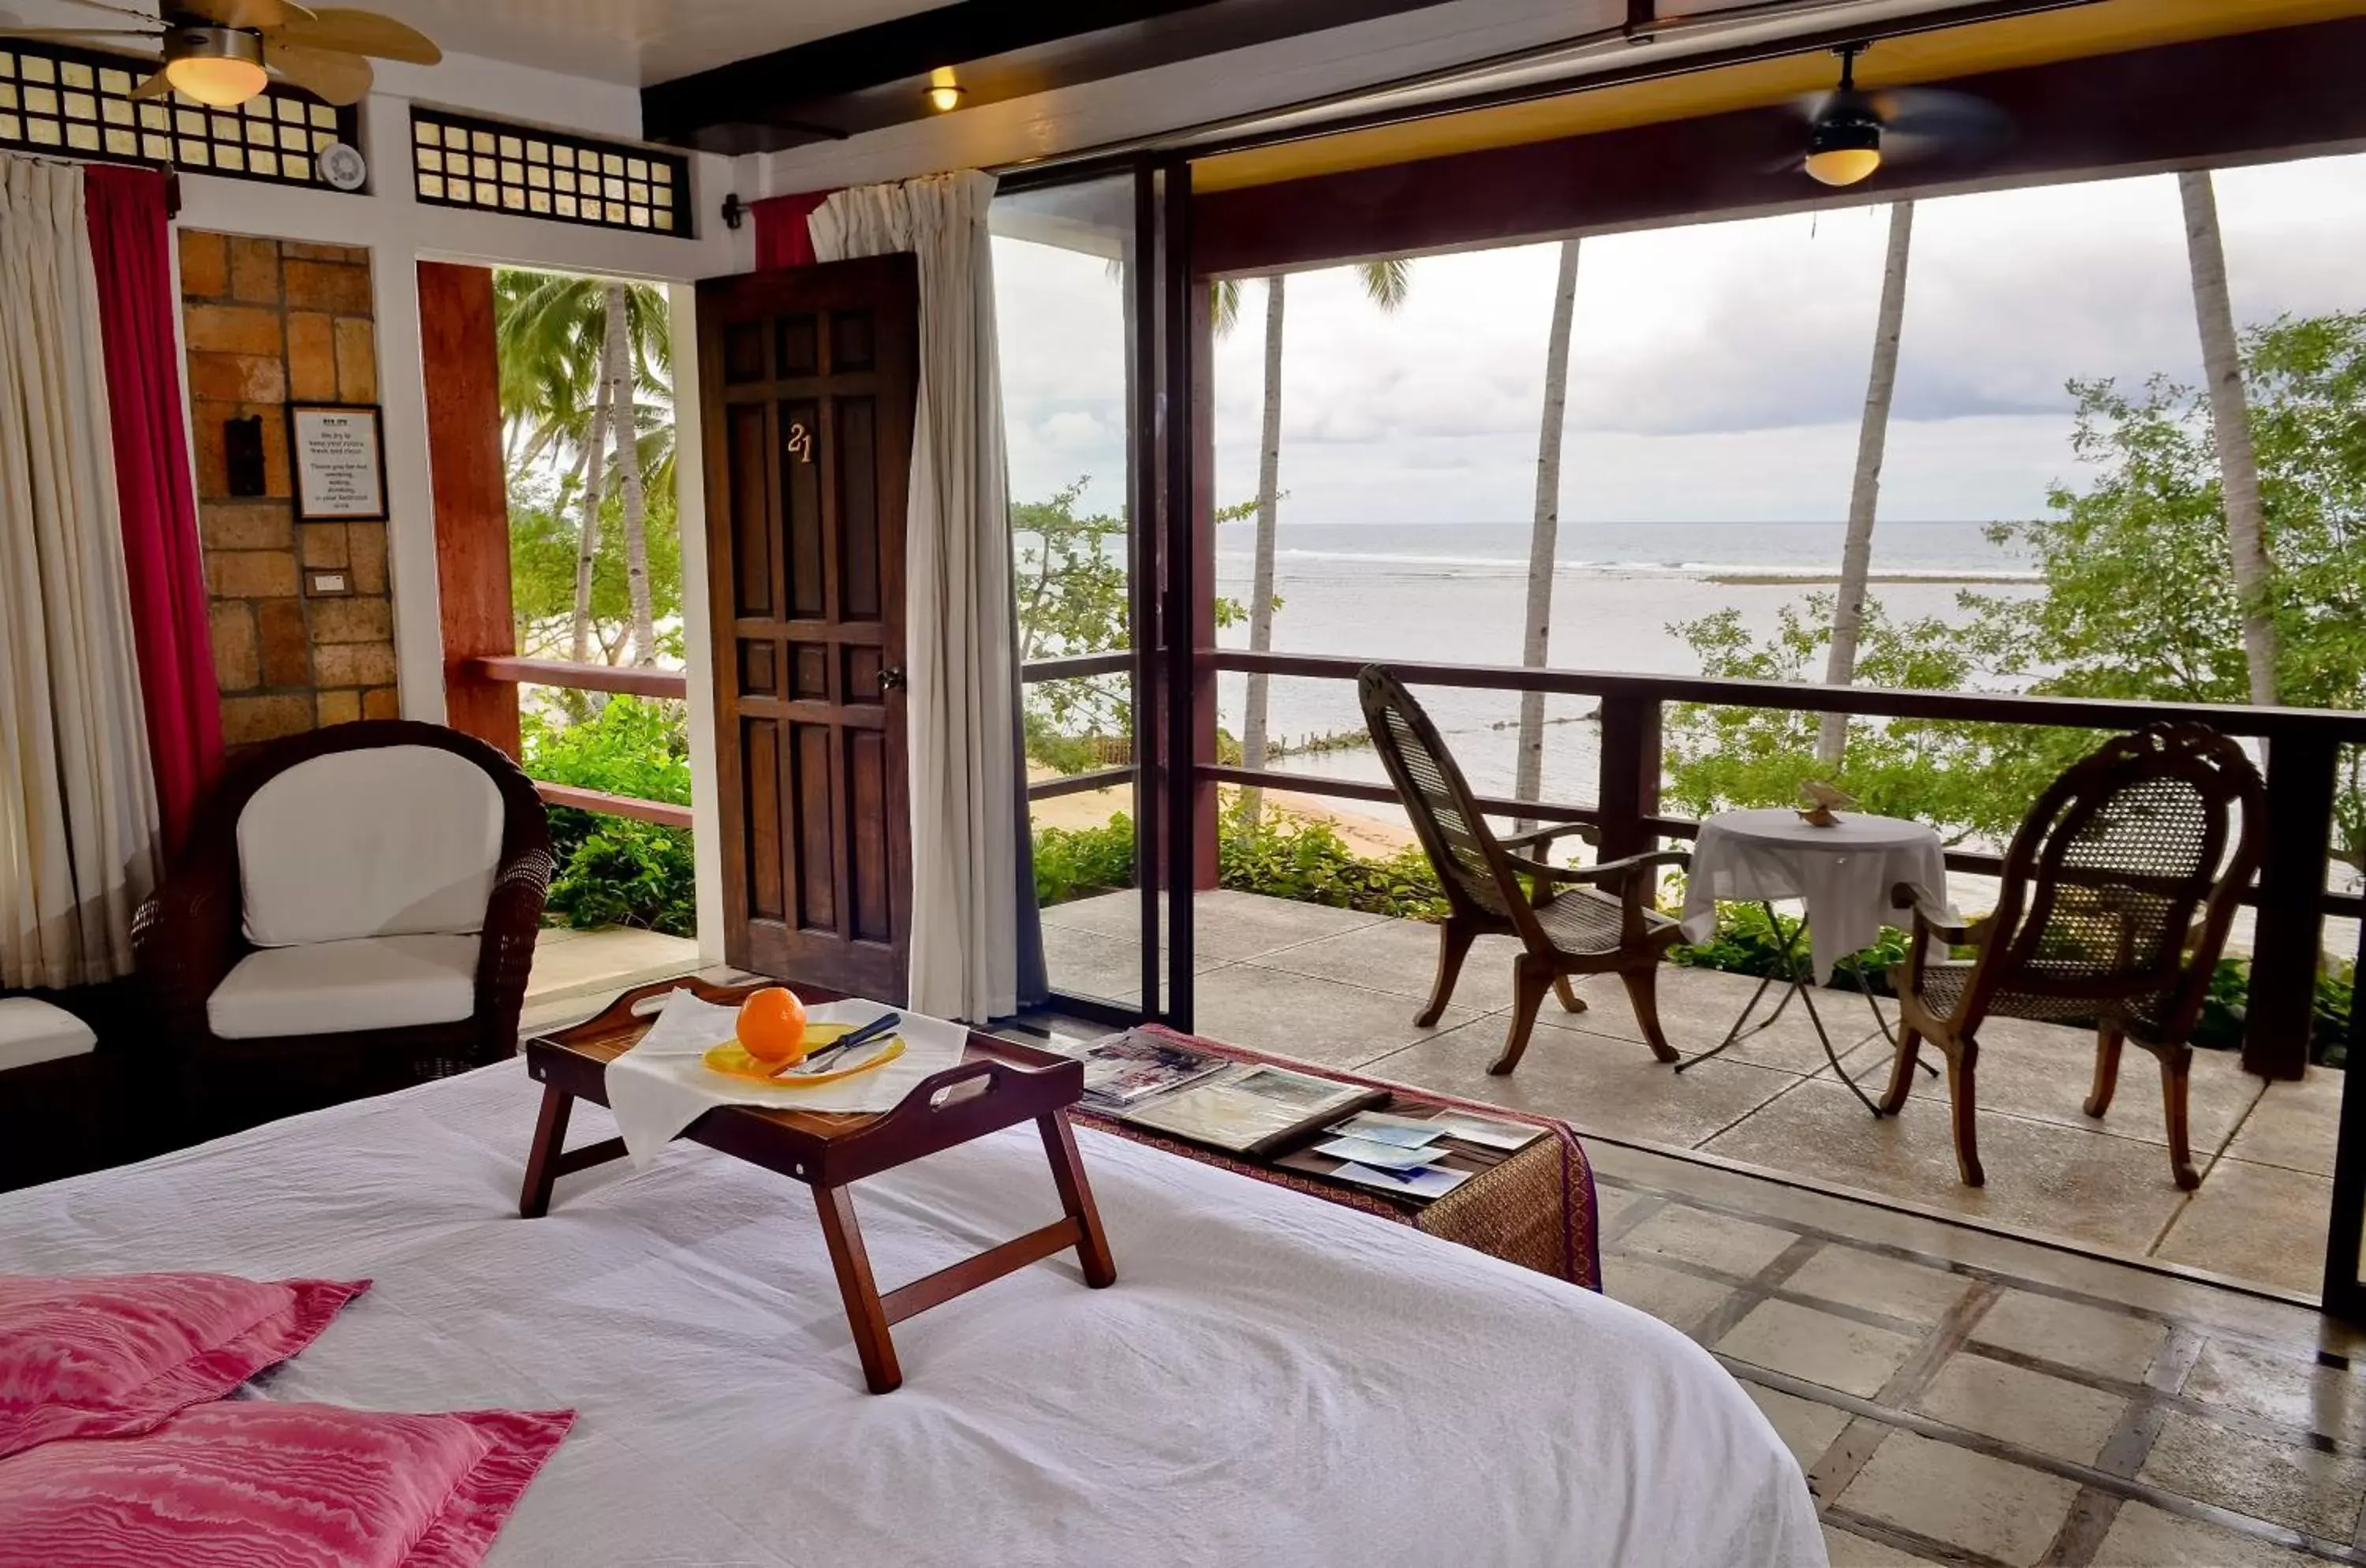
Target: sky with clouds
[{"x": 1716, "y": 370}]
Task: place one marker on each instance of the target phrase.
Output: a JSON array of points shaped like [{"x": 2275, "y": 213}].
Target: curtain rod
[
  {"x": 1208, "y": 138},
  {"x": 67, "y": 160}
]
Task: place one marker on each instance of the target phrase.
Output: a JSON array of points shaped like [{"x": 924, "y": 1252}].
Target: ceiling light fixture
[
  {"x": 1844, "y": 142},
  {"x": 944, "y": 92},
  {"x": 219, "y": 67}
]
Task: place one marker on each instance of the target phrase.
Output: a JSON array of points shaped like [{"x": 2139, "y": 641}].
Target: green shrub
[
  {"x": 1072, "y": 862},
  {"x": 625, "y": 873},
  {"x": 1281, "y": 856},
  {"x": 1746, "y": 943},
  {"x": 1291, "y": 857},
  {"x": 615, "y": 871}
]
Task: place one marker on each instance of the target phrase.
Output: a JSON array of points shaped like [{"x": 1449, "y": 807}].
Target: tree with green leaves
[
  {"x": 1069, "y": 579},
  {"x": 586, "y": 380},
  {"x": 2137, "y": 601}
]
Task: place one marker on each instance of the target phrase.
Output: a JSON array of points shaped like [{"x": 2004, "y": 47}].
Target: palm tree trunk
[
  {"x": 1253, "y": 738},
  {"x": 587, "y": 537},
  {"x": 2230, "y": 425},
  {"x": 1864, "y": 490},
  {"x": 1537, "y": 639},
  {"x": 627, "y": 429}
]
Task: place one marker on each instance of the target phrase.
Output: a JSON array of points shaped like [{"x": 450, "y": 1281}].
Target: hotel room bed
[{"x": 1273, "y": 1379}]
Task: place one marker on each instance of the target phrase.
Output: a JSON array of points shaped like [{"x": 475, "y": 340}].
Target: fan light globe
[
  {"x": 219, "y": 67},
  {"x": 1843, "y": 166}
]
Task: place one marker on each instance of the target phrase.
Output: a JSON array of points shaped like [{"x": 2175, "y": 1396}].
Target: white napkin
[{"x": 661, "y": 1085}]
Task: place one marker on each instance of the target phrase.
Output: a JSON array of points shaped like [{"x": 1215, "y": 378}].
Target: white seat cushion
[
  {"x": 341, "y": 987},
  {"x": 389, "y": 841},
  {"x": 33, "y": 1032}
]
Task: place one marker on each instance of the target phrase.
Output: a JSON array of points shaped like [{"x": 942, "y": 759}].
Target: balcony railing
[
  {"x": 2302, "y": 747},
  {"x": 663, "y": 683}
]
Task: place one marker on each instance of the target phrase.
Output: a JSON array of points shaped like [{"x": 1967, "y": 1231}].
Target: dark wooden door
[{"x": 809, "y": 377}]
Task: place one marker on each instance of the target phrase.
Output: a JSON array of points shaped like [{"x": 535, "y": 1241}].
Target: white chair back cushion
[{"x": 389, "y": 841}]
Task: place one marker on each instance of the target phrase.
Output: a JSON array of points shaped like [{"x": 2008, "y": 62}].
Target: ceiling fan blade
[
  {"x": 1930, "y": 111},
  {"x": 362, "y": 32},
  {"x": 1922, "y": 123},
  {"x": 239, "y": 13},
  {"x": 335, "y": 77},
  {"x": 82, "y": 32},
  {"x": 156, "y": 87}
]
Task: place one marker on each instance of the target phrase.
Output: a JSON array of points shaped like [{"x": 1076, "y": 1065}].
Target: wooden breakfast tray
[{"x": 998, "y": 1084}]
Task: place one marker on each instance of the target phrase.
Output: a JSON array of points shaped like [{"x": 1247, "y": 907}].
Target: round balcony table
[{"x": 1842, "y": 874}]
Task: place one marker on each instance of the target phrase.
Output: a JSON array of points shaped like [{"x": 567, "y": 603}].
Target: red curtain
[
  {"x": 129, "y": 241},
  {"x": 781, "y": 236}
]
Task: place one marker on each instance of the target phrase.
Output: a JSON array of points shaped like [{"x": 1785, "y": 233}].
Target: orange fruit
[{"x": 773, "y": 1025}]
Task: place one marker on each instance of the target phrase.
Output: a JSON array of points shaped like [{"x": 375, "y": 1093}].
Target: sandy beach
[{"x": 1092, "y": 808}]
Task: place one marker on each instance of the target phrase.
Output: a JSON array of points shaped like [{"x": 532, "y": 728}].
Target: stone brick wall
[{"x": 267, "y": 321}]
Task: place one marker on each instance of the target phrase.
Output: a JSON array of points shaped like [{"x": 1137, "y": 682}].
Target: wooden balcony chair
[
  {"x": 354, "y": 911},
  {"x": 2115, "y": 905},
  {"x": 1603, "y": 924}
]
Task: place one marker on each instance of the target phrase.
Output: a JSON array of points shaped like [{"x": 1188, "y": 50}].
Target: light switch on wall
[{"x": 327, "y": 584}]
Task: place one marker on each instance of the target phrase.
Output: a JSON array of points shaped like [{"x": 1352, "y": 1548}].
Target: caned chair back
[
  {"x": 2121, "y": 884},
  {"x": 1472, "y": 867}
]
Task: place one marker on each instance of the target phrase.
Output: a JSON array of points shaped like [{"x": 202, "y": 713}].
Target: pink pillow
[
  {"x": 99, "y": 1355},
  {"x": 267, "y": 1485}
]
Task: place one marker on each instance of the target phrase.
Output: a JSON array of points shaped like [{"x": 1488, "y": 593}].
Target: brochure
[
  {"x": 1485, "y": 1131},
  {"x": 1383, "y": 1156},
  {"x": 1378, "y": 1127},
  {"x": 1429, "y": 1181}
]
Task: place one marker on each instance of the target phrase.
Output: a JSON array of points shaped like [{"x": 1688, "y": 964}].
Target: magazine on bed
[
  {"x": 1254, "y": 1113},
  {"x": 1121, "y": 1069}
]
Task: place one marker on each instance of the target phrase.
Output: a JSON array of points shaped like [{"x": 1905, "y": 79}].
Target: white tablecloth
[{"x": 1843, "y": 872}]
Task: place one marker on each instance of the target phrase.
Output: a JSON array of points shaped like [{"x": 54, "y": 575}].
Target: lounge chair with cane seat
[
  {"x": 2115, "y": 905},
  {"x": 1572, "y": 921}
]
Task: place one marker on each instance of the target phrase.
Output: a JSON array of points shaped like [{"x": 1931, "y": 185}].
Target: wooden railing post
[
  {"x": 1630, "y": 786},
  {"x": 2287, "y": 940}
]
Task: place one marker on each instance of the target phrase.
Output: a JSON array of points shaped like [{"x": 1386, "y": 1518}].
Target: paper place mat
[{"x": 661, "y": 1085}]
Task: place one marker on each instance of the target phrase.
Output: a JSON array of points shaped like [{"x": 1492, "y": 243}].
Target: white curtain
[
  {"x": 78, "y": 815},
  {"x": 961, "y": 698}
]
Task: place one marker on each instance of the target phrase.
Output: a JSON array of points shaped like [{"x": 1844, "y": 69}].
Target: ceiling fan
[
  {"x": 223, "y": 52},
  {"x": 1851, "y": 132}
]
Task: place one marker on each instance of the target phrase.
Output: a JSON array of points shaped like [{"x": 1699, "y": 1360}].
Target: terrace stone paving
[{"x": 1340, "y": 988}]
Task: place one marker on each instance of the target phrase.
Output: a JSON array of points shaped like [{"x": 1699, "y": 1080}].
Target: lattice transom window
[
  {"x": 77, "y": 103},
  {"x": 461, "y": 162}
]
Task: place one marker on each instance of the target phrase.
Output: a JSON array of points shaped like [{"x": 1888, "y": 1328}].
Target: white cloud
[{"x": 1718, "y": 370}]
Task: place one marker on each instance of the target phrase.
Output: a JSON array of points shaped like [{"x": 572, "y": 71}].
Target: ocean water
[{"x": 1449, "y": 593}]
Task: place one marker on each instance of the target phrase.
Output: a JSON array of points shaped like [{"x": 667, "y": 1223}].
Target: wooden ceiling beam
[
  {"x": 2252, "y": 98},
  {"x": 997, "y": 49}
]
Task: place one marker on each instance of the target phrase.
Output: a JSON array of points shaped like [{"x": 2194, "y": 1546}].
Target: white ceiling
[{"x": 635, "y": 42}]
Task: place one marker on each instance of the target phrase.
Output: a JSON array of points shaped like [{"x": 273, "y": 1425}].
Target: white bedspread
[{"x": 1272, "y": 1379}]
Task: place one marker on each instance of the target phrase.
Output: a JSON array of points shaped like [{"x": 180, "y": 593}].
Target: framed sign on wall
[{"x": 337, "y": 459}]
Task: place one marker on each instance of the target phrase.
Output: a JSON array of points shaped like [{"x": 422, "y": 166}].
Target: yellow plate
[{"x": 731, "y": 1060}]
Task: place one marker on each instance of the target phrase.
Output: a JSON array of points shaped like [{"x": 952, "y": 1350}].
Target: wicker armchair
[
  {"x": 2115, "y": 905},
  {"x": 198, "y": 964},
  {"x": 1605, "y": 925}
]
